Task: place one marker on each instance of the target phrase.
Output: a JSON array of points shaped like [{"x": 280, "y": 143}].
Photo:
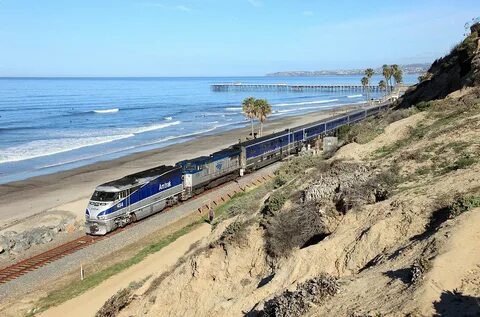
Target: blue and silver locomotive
[{"x": 120, "y": 202}]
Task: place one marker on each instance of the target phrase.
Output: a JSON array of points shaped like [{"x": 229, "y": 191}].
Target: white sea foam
[
  {"x": 304, "y": 103},
  {"x": 106, "y": 110},
  {"x": 168, "y": 118},
  {"x": 152, "y": 127},
  {"x": 233, "y": 108},
  {"x": 355, "y": 96},
  {"x": 57, "y": 145},
  {"x": 40, "y": 148}
]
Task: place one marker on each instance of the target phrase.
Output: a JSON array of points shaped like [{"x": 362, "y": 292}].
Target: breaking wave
[{"x": 106, "y": 110}]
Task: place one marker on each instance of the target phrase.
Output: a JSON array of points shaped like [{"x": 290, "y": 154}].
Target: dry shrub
[
  {"x": 115, "y": 303},
  {"x": 397, "y": 115},
  {"x": 298, "y": 302},
  {"x": 362, "y": 132},
  {"x": 234, "y": 234},
  {"x": 335, "y": 179},
  {"x": 419, "y": 268},
  {"x": 295, "y": 228},
  {"x": 295, "y": 167}
]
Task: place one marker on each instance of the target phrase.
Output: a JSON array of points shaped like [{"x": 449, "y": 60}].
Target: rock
[
  {"x": 10, "y": 233},
  {"x": 47, "y": 236},
  {"x": 36, "y": 235},
  {"x": 2, "y": 249},
  {"x": 70, "y": 228},
  {"x": 20, "y": 246}
]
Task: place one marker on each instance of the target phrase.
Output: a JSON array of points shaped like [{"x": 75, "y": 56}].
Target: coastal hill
[
  {"x": 407, "y": 69},
  {"x": 459, "y": 69},
  {"x": 386, "y": 226}
]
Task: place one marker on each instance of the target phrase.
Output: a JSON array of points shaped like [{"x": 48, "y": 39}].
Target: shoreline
[{"x": 26, "y": 198}]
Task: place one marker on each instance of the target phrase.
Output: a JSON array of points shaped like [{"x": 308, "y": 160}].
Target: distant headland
[{"x": 407, "y": 69}]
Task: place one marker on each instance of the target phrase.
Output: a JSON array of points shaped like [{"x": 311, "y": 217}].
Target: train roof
[
  {"x": 212, "y": 157},
  {"x": 136, "y": 178},
  {"x": 308, "y": 125},
  {"x": 264, "y": 138}
]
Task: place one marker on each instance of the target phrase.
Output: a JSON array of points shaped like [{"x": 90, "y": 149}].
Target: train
[{"x": 126, "y": 200}]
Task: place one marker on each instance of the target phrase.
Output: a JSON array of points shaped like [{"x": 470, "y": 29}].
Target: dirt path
[
  {"x": 455, "y": 268},
  {"x": 90, "y": 302}
]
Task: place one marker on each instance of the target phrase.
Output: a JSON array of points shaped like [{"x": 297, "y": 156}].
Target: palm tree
[
  {"x": 382, "y": 85},
  {"x": 248, "y": 107},
  {"x": 262, "y": 110},
  {"x": 397, "y": 74},
  {"x": 387, "y": 73},
  {"x": 369, "y": 72},
  {"x": 365, "y": 85}
]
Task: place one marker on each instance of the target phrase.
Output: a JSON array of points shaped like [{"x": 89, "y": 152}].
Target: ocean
[{"x": 53, "y": 124}]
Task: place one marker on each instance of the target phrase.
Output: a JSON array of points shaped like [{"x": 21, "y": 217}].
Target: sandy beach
[{"x": 69, "y": 191}]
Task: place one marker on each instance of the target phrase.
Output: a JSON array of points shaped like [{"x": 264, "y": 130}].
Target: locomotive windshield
[{"x": 104, "y": 196}]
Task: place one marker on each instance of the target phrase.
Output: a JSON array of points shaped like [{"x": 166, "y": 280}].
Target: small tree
[
  {"x": 248, "y": 107},
  {"x": 262, "y": 110}
]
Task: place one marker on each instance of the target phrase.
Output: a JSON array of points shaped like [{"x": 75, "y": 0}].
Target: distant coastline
[{"x": 407, "y": 69}]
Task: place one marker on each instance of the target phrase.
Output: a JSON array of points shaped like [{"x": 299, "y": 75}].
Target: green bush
[
  {"x": 423, "y": 105},
  {"x": 275, "y": 202},
  {"x": 295, "y": 167},
  {"x": 461, "y": 163},
  {"x": 464, "y": 204},
  {"x": 280, "y": 180}
]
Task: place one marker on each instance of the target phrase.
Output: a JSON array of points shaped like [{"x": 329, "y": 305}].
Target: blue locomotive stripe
[{"x": 153, "y": 187}]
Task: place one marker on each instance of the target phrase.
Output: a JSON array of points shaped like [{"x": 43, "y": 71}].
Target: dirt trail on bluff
[{"x": 90, "y": 302}]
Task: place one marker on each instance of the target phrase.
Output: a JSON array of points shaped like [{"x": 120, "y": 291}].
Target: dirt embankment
[{"x": 383, "y": 228}]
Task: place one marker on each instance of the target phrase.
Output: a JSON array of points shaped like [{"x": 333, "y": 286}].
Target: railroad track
[{"x": 18, "y": 269}]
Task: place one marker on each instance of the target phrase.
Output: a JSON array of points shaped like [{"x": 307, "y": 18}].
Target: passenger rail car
[
  {"x": 120, "y": 202},
  {"x": 262, "y": 151}
]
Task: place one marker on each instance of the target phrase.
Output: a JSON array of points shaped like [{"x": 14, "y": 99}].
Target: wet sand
[{"x": 22, "y": 199}]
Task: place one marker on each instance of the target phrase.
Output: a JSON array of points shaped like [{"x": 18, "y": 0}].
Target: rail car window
[
  {"x": 298, "y": 136},
  {"x": 267, "y": 146},
  {"x": 104, "y": 196},
  {"x": 336, "y": 123},
  {"x": 372, "y": 111},
  {"x": 357, "y": 116},
  {"x": 314, "y": 131}
]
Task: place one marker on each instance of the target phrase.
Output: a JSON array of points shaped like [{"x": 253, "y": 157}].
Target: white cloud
[
  {"x": 255, "y": 3},
  {"x": 308, "y": 13},
  {"x": 183, "y": 8}
]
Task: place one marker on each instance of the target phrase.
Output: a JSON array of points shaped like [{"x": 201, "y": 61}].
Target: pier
[{"x": 284, "y": 87}]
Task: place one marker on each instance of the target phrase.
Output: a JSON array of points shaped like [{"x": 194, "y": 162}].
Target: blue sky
[{"x": 222, "y": 37}]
